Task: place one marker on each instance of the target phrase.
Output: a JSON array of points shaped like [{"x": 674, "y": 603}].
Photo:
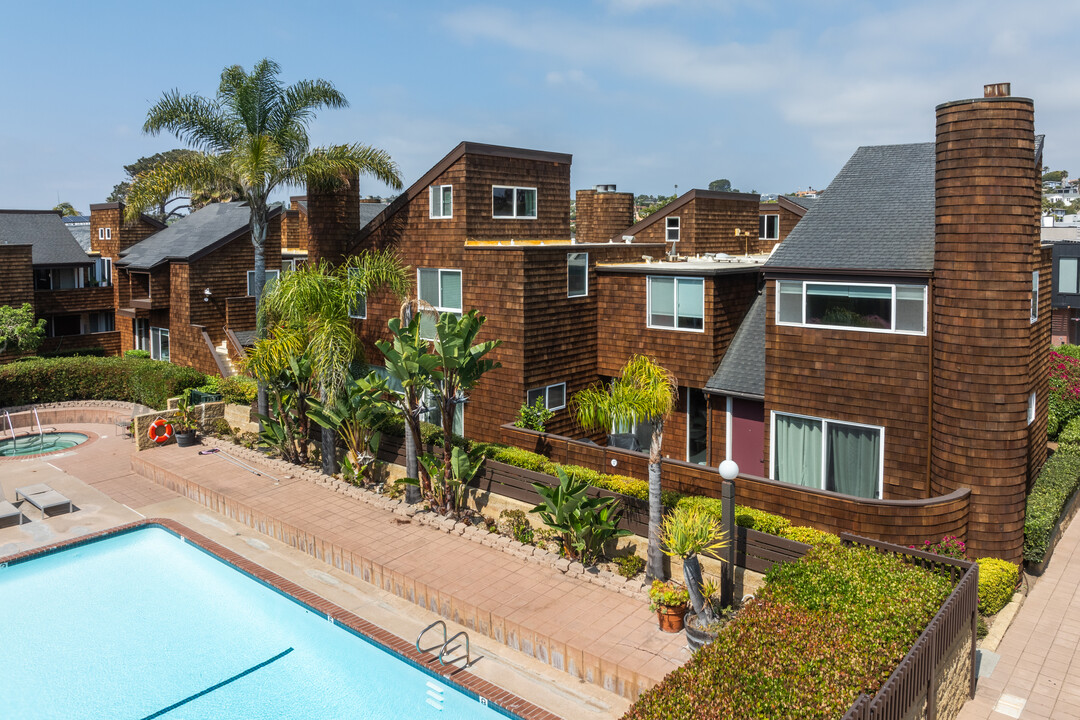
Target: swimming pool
[
  {"x": 39, "y": 444},
  {"x": 143, "y": 625}
]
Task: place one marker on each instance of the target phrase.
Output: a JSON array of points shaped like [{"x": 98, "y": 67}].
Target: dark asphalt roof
[
  {"x": 742, "y": 370},
  {"x": 192, "y": 236},
  {"x": 877, "y": 214},
  {"x": 51, "y": 241},
  {"x": 368, "y": 211},
  {"x": 805, "y": 202}
]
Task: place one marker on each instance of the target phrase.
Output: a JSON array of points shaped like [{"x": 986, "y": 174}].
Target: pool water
[
  {"x": 38, "y": 444},
  {"x": 143, "y": 625}
]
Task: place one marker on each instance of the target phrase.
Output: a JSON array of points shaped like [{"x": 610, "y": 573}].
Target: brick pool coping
[{"x": 463, "y": 680}]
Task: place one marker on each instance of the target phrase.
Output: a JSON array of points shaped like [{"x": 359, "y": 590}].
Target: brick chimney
[
  {"x": 333, "y": 220},
  {"x": 987, "y": 356},
  {"x": 603, "y": 213}
]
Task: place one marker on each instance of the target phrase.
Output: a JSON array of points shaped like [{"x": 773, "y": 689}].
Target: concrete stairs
[{"x": 222, "y": 351}]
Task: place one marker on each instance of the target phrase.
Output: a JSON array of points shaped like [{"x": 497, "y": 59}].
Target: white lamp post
[{"x": 729, "y": 470}]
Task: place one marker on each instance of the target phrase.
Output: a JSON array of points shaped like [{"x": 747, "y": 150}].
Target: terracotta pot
[{"x": 671, "y": 618}]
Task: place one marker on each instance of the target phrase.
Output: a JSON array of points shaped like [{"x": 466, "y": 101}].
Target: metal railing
[{"x": 445, "y": 645}]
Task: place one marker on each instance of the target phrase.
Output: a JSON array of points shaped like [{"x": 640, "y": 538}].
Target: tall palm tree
[
  {"x": 645, "y": 392},
  {"x": 308, "y": 311},
  {"x": 253, "y": 134}
]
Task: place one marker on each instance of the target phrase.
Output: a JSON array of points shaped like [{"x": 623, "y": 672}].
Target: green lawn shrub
[
  {"x": 1056, "y": 482},
  {"x": 92, "y": 378},
  {"x": 809, "y": 535},
  {"x": 235, "y": 390},
  {"x": 76, "y": 352},
  {"x": 1069, "y": 437},
  {"x": 137, "y": 354},
  {"x": 760, "y": 520},
  {"x": 822, "y": 631},
  {"x": 997, "y": 581}
]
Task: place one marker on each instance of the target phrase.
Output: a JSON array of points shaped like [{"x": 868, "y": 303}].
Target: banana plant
[
  {"x": 584, "y": 523},
  {"x": 356, "y": 414},
  {"x": 448, "y": 489}
]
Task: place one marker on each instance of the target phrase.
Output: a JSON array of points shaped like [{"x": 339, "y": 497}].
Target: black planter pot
[
  {"x": 185, "y": 438},
  {"x": 697, "y": 636}
]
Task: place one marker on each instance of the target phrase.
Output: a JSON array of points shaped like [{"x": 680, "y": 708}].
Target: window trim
[
  {"x": 1058, "y": 275},
  {"x": 675, "y": 327},
  {"x": 431, "y": 202},
  {"x": 1034, "y": 296},
  {"x": 545, "y": 391},
  {"x": 825, "y": 451},
  {"x": 668, "y": 228},
  {"x": 766, "y": 217},
  {"x": 892, "y": 286},
  {"x": 104, "y": 233},
  {"x": 583, "y": 294},
  {"x": 250, "y": 279},
  {"x": 513, "y": 204},
  {"x": 461, "y": 284}
]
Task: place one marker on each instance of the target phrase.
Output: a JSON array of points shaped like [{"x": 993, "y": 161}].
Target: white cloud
[{"x": 570, "y": 78}]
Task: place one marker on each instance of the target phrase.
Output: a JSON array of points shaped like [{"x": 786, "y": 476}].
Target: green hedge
[
  {"x": 235, "y": 390},
  {"x": 76, "y": 352},
  {"x": 823, "y": 630},
  {"x": 997, "y": 581},
  {"x": 148, "y": 382},
  {"x": 1057, "y": 481},
  {"x": 1069, "y": 437},
  {"x": 809, "y": 535}
]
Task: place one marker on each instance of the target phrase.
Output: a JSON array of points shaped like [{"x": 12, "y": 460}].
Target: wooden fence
[{"x": 916, "y": 678}]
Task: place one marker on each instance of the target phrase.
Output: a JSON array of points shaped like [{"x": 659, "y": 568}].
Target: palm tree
[
  {"x": 645, "y": 392},
  {"x": 309, "y": 315},
  {"x": 254, "y": 135}
]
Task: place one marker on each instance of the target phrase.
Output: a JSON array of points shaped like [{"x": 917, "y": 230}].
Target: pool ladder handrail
[
  {"x": 14, "y": 441},
  {"x": 445, "y": 644},
  {"x": 41, "y": 433}
]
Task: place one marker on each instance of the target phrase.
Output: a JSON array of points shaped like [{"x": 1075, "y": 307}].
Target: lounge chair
[
  {"x": 9, "y": 514},
  {"x": 45, "y": 499}
]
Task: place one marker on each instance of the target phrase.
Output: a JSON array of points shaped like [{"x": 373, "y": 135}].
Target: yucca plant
[{"x": 687, "y": 532}]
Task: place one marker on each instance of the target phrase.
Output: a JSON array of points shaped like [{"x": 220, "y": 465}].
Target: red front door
[{"x": 748, "y": 435}]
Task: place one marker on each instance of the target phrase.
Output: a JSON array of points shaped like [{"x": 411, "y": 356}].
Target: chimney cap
[
  {"x": 604, "y": 188},
  {"x": 997, "y": 90}
]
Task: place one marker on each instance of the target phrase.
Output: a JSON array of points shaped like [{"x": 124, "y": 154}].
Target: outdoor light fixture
[
  {"x": 729, "y": 470},
  {"x": 206, "y": 295}
]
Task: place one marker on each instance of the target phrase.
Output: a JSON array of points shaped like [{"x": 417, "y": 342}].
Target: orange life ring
[{"x": 160, "y": 431}]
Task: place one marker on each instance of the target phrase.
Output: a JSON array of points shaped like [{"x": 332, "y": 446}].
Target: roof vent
[
  {"x": 604, "y": 188},
  {"x": 997, "y": 90}
]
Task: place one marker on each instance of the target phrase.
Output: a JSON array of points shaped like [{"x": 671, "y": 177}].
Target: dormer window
[
  {"x": 672, "y": 226},
  {"x": 513, "y": 203},
  {"x": 441, "y": 202}
]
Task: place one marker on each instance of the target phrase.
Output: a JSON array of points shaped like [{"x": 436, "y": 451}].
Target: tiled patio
[
  {"x": 590, "y": 631},
  {"x": 1038, "y": 675}
]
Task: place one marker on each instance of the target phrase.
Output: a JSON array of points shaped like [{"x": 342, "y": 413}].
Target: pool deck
[{"x": 543, "y": 635}]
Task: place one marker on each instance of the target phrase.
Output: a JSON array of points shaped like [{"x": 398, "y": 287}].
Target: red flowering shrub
[
  {"x": 949, "y": 546},
  {"x": 1064, "y": 388}
]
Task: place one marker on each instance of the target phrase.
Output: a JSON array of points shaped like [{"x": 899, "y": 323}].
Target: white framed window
[
  {"x": 159, "y": 343},
  {"x": 440, "y": 288},
  {"x": 513, "y": 202},
  {"x": 271, "y": 277},
  {"x": 577, "y": 274},
  {"x": 1034, "y": 296},
  {"x": 288, "y": 264},
  {"x": 554, "y": 396},
  {"x": 441, "y": 202},
  {"x": 852, "y": 306},
  {"x": 104, "y": 233},
  {"x": 768, "y": 227},
  {"x": 141, "y": 329},
  {"x": 1031, "y": 408},
  {"x": 676, "y": 303},
  {"x": 671, "y": 226},
  {"x": 358, "y": 307},
  {"x": 102, "y": 272},
  {"x": 840, "y": 457},
  {"x": 1068, "y": 279}
]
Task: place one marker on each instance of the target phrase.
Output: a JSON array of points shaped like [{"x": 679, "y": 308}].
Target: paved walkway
[
  {"x": 592, "y": 632},
  {"x": 1038, "y": 675}
]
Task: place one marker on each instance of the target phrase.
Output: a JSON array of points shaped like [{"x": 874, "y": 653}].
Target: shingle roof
[
  {"x": 368, "y": 211},
  {"x": 51, "y": 241},
  {"x": 742, "y": 371},
  {"x": 81, "y": 233},
  {"x": 192, "y": 236},
  {"x": 801, "y": 201},
  {"x": 877, "y": 214}
]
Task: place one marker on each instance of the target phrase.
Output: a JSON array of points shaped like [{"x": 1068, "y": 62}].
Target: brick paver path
[
  {"x": 604, "y": 634},
  {"x": 1038, "y": 675}
]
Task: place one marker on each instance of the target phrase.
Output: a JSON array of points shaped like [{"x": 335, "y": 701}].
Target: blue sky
[{"x": 647, "y": 94}]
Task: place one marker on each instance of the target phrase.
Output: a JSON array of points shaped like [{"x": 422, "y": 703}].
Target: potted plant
[
  {"x": 187, "y": 423},
  {"x": 687, "y": 532},
  {"x": 668, "y": 600}
]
